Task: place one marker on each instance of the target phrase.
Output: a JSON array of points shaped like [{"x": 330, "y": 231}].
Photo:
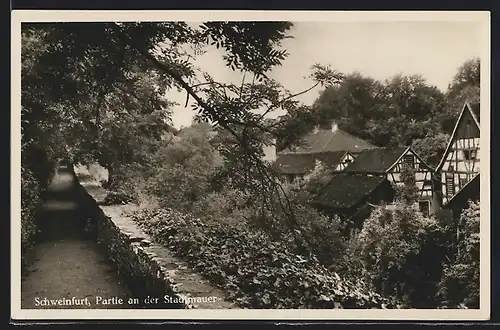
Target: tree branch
[
  {"x": 275, "y": 105},
  {"x": 223, "y": 122}
]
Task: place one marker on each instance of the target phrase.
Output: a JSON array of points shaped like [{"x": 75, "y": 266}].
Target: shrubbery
[
  {"x": 255, "y": 271},
  {"x": 459, "y": 285},
  {"x": 388, "y": 248},
  {"x": 30, "y": 197},
  {"x": 116, "y": 198},
  {"x": 252, "y": 248}
]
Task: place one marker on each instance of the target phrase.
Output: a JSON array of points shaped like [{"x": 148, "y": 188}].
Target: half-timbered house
[
  {"x": 459, "y": 167},
  {"x": 381, "y": 169},
  {"x": 391, "y": 162}
]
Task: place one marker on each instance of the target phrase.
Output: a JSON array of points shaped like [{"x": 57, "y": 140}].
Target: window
[
  {"x": 409, "y": 161},
  {"x": 450, "y": 186},
  {"x": 425, "y": 208},
  {"x": 427, "y": 183},
  {"x": 470, "y": 154},
  {"x": 463, "y": 182}
]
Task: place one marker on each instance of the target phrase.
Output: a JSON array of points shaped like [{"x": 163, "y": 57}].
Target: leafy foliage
[
  {"x": 249, "y": 45},
  {"x": 255, "y": 271},
  {"x": 389, "y": 242},
  {"x": 459, "y": 285},
  {"x": 431, "y": 147},
  {"x": 401, "y": 111},
  {"x": 465, "y": 87},
  {"x": 258, "y": 239},
  {"x": 109, "y": 105},
  {"x": 30, "y": 196}
]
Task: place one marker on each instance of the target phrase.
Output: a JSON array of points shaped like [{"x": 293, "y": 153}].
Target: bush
[
  {"x": 459, "y": 285},
  {"x": 389, "y": 249},
  {"x": 125, "y": 187},
  {"x": 30, "y": 198},
  {"x": 255, "y": 271},
  {"x": 117, "y": 198}
]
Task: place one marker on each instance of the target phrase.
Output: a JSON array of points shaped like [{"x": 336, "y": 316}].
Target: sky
[{"x": 379, "y": 50}]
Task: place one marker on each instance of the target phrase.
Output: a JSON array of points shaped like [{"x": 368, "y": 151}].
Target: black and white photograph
[{"x": 271, "y": 165}]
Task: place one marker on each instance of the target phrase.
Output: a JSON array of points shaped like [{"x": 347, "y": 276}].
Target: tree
[
  {"x": 413, "y": 107},
  {"x": 465, "y": 87},
  {"x": 354, "y": 103},
  {"x": 431, "y": 147},
  {"x": 395, "y": 112},
  {"x": 91, "y": 63},
  {"x": 468, "y": 74}
]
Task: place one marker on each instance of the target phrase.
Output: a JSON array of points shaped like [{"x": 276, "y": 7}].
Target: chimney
[
  {"x": 270, "y": 151},
  {"x": 334, "y": 126}
]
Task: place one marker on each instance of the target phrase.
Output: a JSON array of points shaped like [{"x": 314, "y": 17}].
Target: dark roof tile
[
  {"x": 302, "y": 163},
  {"x": 345, "y": 189},
  {"x": 324, "y": 140},
  {"x": 377, "y": 160},
  {"x": 294, "y": 163}
]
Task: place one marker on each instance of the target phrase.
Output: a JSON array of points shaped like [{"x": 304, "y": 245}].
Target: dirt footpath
[
  {"x": 66, "y": 270},
  {"x": 70, "y": 268}
]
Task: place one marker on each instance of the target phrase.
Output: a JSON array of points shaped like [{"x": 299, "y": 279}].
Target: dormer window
[{"x": 409, "y": 161}]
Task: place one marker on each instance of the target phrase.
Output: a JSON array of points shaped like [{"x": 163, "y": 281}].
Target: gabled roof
[
  {"x": 377, "y": 160},
  {"x": 302, "y": 163},
  {"x": 473, "y": 109},
  {"x": 345, "y": 189},
  {"x": 324, "y": 140},
  {"x": 468, "y": 191}
]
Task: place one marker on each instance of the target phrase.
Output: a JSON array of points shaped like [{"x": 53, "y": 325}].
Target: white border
[{"x": 18, "y": 16}]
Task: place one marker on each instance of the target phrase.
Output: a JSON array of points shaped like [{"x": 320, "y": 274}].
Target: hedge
[{"x": 30, "y": 199}]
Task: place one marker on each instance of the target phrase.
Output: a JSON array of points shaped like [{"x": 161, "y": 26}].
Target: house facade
[
  {"x": 333, "y": 148},
  {"x": 459, "y": 168},
  {"x": 294, "y": 167},
  {"x": 367, "y": 180},
  {"x": 391, "y": 162},
  {"x": 370, "y": 180}
]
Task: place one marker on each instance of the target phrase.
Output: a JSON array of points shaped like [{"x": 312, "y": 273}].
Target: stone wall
[{"x": 149, "y": 270}]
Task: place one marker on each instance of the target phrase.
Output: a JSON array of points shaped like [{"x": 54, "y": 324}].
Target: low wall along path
[{"x": 114, "y": 266}]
